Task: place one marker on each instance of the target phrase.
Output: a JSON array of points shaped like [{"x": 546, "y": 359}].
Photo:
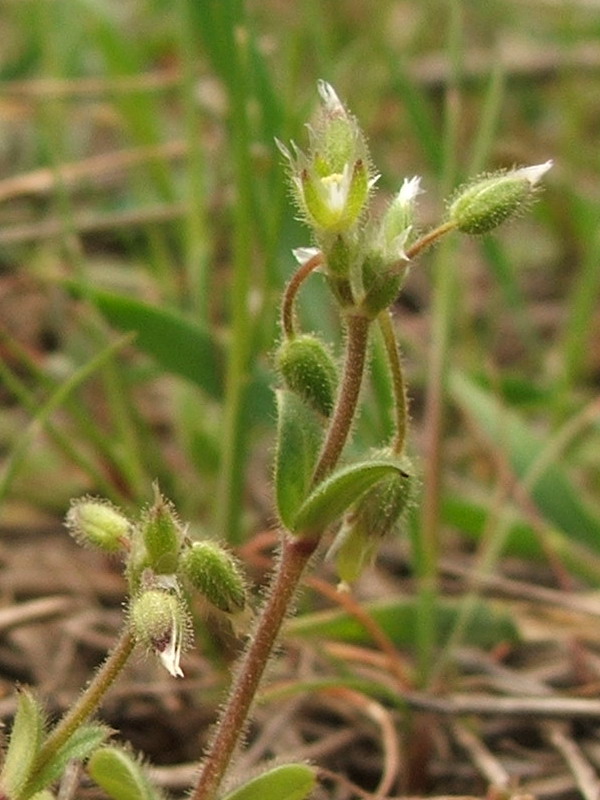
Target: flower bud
[
  {"x": 399, "y": 217},
  {"x": 488, "y": 201},
  {"x": 373, "y": 517},
  {"x": 216, "y": 574},
  {"x": 308, "y": 369},
  {"x": 99, "y": 524},
  {"x": 162, "y": 536},
  {"x": 160, "y": 622}
]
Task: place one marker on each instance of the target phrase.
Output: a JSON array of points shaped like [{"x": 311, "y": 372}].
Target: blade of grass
[{"x": 54, "y": 402}]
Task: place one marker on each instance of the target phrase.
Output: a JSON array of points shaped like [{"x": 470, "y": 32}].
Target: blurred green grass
[{"x": 188, "y": 217}]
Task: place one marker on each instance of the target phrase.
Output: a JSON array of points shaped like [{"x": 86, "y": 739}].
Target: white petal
[
  {"x": 411, "y": 187},
  {"x": 304, "y": 254},
  {"x": 172, "y": 653},
  {"x": 535, "y": 172},
  {"x": 329, "y": 96}
]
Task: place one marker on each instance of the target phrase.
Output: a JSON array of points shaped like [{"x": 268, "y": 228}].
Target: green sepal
[
  {"x": 162, "y": 535},
  {"x": 338, "y": 492},
  {"x": 381, "y": 284},
  {"x": 23, "y": 746},
  {"x": 299, "y": 436},
  {"x": 80, "y": 746},
  {"x": 285, "y": 782},
  {"x": 121, "y": 775}
]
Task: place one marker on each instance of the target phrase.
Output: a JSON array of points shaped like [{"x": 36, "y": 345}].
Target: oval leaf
[
  {"x": 299, "y": 435},
  {"x": 176, "y": 343},
  {"x": 338, "y": 492},
  {"x": 120, "y": 775},
  {"x": 81, "y": 744},
  {"x": 285, "y": 782}
]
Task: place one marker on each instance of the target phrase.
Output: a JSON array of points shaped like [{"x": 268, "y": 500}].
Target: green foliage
[
  {"x": 23, "y": 747},
  {"x": 338, "y": 492},
  {"x": 284, "y": 782},
  {"x": 299, "y": 438},
  {"x": 120, "y": 775},
  {"x": 398, "y": 617}
]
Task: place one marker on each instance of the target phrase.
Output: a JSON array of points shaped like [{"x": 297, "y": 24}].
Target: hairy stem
[
  {"x": 88, "y": 702},
  {"x": 291, "y": 290},
  {"x": 295, "y": 554},
  {"x": 341, "y": 422},
  {"x": 398, "y": 382}
]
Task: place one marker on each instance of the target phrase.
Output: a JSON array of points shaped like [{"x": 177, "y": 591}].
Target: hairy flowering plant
[{"x": 324, "y": 502}]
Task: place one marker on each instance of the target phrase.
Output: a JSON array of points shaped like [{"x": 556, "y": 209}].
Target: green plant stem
[
  {"x": 88, "y": 702},
  {"x": 427, "y": 240},
  {"x": 398, "y": 382},
  {"x": 291, "y": 291},
  {"x": 345, "y": 409},
  {"x": 295, "y": 554}
]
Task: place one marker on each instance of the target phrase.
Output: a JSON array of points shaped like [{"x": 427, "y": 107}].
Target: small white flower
[
  {"x": 534, "y": 173},
  {"x": 411, "y": 187}
]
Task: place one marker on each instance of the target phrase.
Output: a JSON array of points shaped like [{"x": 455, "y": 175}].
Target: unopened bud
[
  {"x": 374, "y": 516},
  {"x": 488, "y": 201},
  {"x": 308, "y": 369},
  {"x": 216, "y": 574},
  {"x": 162, "y": 535},
  {"x": 99, "y": 524}
]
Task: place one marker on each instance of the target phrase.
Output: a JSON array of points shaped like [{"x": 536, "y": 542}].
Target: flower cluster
[{"x": 161, "y": 562}]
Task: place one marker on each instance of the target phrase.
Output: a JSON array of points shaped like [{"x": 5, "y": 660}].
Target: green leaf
[
  {"x": 81, "y": 744},
  {"x": 285, "y": 782},
  {"x": 299, "y": 435},
  {"x": 23, "y": 746},
  {"x": 338, "y": 492},
  {"x": 554, "y": 495},
  {"x": 120, "y": 775},
  {"x": 399, "y": 619},
  {"x": 176, "y": 343}
]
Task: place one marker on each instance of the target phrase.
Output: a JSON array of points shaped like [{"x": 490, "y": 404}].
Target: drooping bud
[
  {"x": 159, "y": 621},
  {"x": 488, "y": 201},
  {"x": 98, "y": 523},
  {"x": 308, "y": 369},
  {"x": 162, "y": 536},
  {"x": 216, "y": 574},
  {"x": 374, "y": 516}
]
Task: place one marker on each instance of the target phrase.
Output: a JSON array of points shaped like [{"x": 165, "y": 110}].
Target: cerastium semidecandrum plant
[{"x": 349, "y": 507}]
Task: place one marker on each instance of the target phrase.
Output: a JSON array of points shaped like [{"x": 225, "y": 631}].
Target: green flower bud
[
  {"x": 381, "y": 284},
  {"x": 399, "y": 217},
  {"x": 308, "y": 369},
  {"x": 374, "y": 516},
  {"x": 159, "y": 621},
  {"x": 216, "y": 574},
  {"x": 162, "y": 536},
  {"x": 99, "y": 524},
  {"x": 331, "y": 183},
  {"x": 488, "y": 201}
]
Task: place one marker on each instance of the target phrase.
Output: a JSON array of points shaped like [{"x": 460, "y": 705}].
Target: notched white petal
[
  {"x": 411, "y": 187},
  {"x": 329, "y": 97},
  {"x": 534, "y": 173}
]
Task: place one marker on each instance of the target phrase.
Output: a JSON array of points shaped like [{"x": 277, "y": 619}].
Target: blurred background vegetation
[{"x": 142, "y": 191}]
